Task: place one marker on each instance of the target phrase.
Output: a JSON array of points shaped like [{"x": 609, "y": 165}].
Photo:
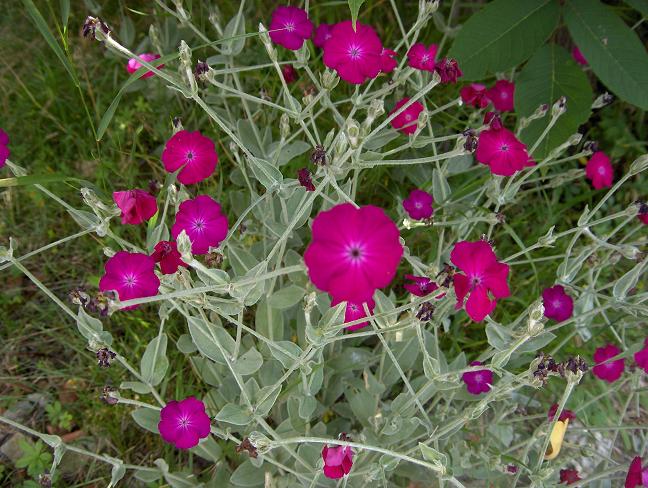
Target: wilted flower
[
  {"x": 448, "y": 70},
  {"x": 107, "y": 395},
  {"x": 133, "y": 64},
  {"x": 356, "y": 55},
  {"x": 599, "y": 170},
  {"x": 289, "y": 73},
  {"x": 606, "y": 370},
  {"x": 201, "y": 68},
  {"x": 564, "y": 415},
  {"x": 318, "y": 156},
  {"x": 479, "y": 381},
  {"x": 204, "y": 222},
  {"x": 104, "y": 356},
  {"x": 290, "y": 27},
  {"x": 483, "y": 276},
  {"x": 247, "y": 446},
  {"x": 353, "y": 252},
  {"x": 425, "y": 312},
  {"x": 194, "y": 153},
  {"x": 305, "y": 180},
  {"x": 569, "y": 476},
  {"x": 407, "y": 120},
  {"x": 131, "y": 275},
  {"x": 557, "y": 304},
  {"x": 166, "y": 253},
  {"x": 136, "y": 206},
  {"x": 184, "y": 423}
]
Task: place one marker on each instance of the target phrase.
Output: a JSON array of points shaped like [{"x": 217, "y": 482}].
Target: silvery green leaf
[
  {"x": 382, "y": 138},
  {"x": 208, "y": 449},
  {"x": 628, "y": 281},
  {"x": 117, "y": 473},
  {"x": 307, "y": 406},
  {"x": 363, "y": 404},
  {"x": 268, "y": 175},
  {"x": 234, "y": 31},
  {"x": 234, "y": 414},
  {"x": 264, "y": 407},
  {"x": 536, "y": 343},
  {"x": 499, "y": 337},
  {"x": 284, "y": 358},
  {"x": 286, "y": 297},
  {"x": 249, "y": 363},
  {"x": 584, "y": 304},
  {"x": 269, "y": 321},
  {"x": 459, "y": 164},
  {"x": 185, "y": 344},
  {"x": 432, "y": 455},
  {"x": 247, "y": 475},
  {"x": 287, "y": 152},
  {"x": 210, "y": 339},
  {"x": 136, "y": 386},
  {"x": 154, "y": 361},
  {"x": 440, "y": 187},
  {"x": 147, "y": 476},
  {"x": 147, "y": 418}
]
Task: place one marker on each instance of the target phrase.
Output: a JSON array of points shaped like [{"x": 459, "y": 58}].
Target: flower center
[
  {"x": 425, "y": 58},
  {"x": 355, "y": 52},
  {"x": 290, "y": 26},
  {"x": 130, "y": 280},
  {"x": 503, "y": 95},
  {"x": 190, "y": 156},
  {"x": 184, "y": 422},
  {"x": 504, "y": 148},
  {"x": 354, "y": 252},
  {"x": 418, "y": 205},
  {"x": 557, "y": 303},
  {"x": 475, "y": 280},
  {"x": 478, "y": 378},
  {"x": 199, "y": 225},
  {"x": 601, "y": 170}
]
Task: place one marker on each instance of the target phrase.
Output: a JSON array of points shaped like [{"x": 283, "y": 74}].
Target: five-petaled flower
[
  {"x": 501, "y": 94},
  {"x": 194, "y": 153},
  {"x": 407, "y": 120},
  {"x": 599, "y": 170},
  {"x": 500, "y": 150},
  {"x": 557, "y": 304},
  {"x": 131, "y": 275},
  {"x": 322, "y": 34},
  {"x": 338, "y": 461},
  {"x": 184, "y": 423},
  {"x": 421, "y": 285},
  {"x": 203, "y": 221},
  {"x": 133, "y": 64},
  {"x": 482, "y": 277},
  {"x": 418, "y": 204},
  {"x": 290, "y": 27},
  {"x": 479, "y": 381},
  {"x": 353, "y": 252},
  {"x": 166, "y": 253},
  {"x": 609, "y": 371},
  {"x": 136, "y": 206},
  {"x": 421, "y": 57},
  {"x": 356, "y": 55}
]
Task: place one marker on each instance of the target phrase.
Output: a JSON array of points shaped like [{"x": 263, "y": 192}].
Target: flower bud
[
  {"x": 639, "y": 165},
  {"x": 284, "y": 126},
  {"x": 353, "y": 133},
  {"x": 602, "y": 100},
  {"x": 265, "y": 38},
  {"x": 184, "y": 247},
  {"x": 182, "y": 14},
  {"x": 109, "y": 252},
  {"x": 559, "y": 108},
  {"x": 329, "y": 79}
]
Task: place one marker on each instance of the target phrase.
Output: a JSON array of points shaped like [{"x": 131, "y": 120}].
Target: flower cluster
[{"x": 501, "y": 95}]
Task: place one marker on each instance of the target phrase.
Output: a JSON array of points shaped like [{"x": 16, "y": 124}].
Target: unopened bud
[
  {"x": 602, "y": 100},
  {"x": 559, "y": 107},
  {"x": 329, "y": 79},
  {"x": 353, "y": 133},
  {"x": 284, "y": 126}
]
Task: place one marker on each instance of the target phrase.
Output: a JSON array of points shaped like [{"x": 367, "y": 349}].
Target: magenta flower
[
  {"x": 569, "y": 476},
  {"x": 290, "y": 27},
  {"x": 338, "y": 461},
  {"x": 355, "y": 311},
  {"x": 564, "y": 415},
  {"x": 418, "y": 205},
  {"x": 475, "y": 95},
  {"x": 388, "y": 61},
  {"x": 131, "y": 275},
  {"x": 194, "y": 153},
  {"x": 642, "y": 215},
  {"x": 557, "y": 304},
  {"x": 421, "y": 57},
  {"x": 483, "y": 276},
  {"x": 289, "y": 73},
  {"x": 637, "y": 476},
  {"x": 479, "y": 381},
  {"x": 502, "y": 94},
  {"x": 609, "y": 371},
  {"x": 407, "y": 120},
  {"x": 322, "y": 34},
  {"x": 502, "y": 152},
  {"x": 493, "y": 119},
  {"x": 203, "y": 221},
  {"x": 353, "y": 252},
  {"x": 166, "y": 253},
  {"x": 355, "y": 55},
  {"x": 448, "y": 70},
  {"x": 578, "y": 56},
  {"x": 184, "y": 423},
  {"x": 305, "y": 179},
  {"x": 599, "y": 170},
  {"x": 4, "y": 148},
  {"x": 641, "y": 357},
  {"x": 421, "y": 286},
  {"x": 137, "y": 206},
  {"x": 133, "y": 64}
]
